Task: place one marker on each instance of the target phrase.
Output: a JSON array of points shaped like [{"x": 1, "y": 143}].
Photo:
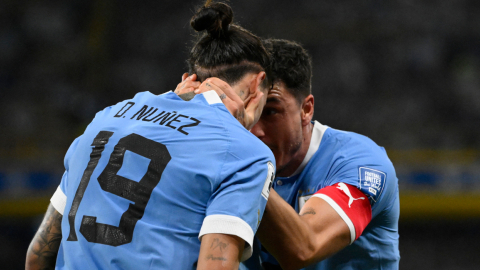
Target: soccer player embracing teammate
[{"x": 334, "y": 202}]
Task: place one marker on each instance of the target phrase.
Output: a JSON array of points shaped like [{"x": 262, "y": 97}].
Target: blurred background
[{"x": 405, "y": 73}]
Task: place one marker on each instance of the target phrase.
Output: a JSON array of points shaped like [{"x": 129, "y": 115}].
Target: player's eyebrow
[{"x": 273, "y": 99}]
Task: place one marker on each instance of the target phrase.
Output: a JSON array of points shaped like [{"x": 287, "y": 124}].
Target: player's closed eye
[{"x": 268, "y": 111}]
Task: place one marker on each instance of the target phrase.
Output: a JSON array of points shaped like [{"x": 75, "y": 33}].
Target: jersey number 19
[{"x": 138, "y": 192}]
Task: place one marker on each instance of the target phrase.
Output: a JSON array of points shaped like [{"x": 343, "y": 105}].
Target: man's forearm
[
  {"x": 220, "y": 251},
  {"x": 42, "y": 252},
  {"x": 297, "y": 241},
  {"x": 284, "y": 234}
]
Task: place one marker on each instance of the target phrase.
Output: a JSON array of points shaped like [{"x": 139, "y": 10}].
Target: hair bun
[{"x": 213, "y": 17}]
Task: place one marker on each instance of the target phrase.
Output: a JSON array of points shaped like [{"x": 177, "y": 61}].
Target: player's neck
[
  {"x": 291, "y": 167},
  {"x": 187, "y": 96}
]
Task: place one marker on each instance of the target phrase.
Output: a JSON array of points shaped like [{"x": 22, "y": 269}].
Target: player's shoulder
[
  {"x": 348, "y": 144},
  {"x": 348, "y": 138},
  {"x": 247, "y": 144},
  {"x": 359, "y": 161},
  {"x": 125, "y": 104},
  {"x": 142, "y": 98}
]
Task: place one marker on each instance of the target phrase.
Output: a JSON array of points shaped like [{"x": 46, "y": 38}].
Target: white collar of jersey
[
  {"x": 317, "y": 135},
  {"x": 212, "y": 97}
]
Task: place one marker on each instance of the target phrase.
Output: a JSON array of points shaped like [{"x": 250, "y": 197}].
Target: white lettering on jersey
[
  {"x": 345, "y": 189},
  {"x": 268, "y": 181},
  {"x": 371, "y": 182}
]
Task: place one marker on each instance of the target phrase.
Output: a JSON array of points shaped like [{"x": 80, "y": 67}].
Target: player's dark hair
[
  {"x": 225, "y": 50},
  {"x": 292, "y": 65}
]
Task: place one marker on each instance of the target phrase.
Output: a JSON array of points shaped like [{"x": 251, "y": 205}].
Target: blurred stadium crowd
[{"x": 403, "y": 72}]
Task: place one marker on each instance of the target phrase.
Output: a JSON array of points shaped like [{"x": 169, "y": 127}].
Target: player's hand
[
  {"x": 228, "y": 96},
  {"x": 250, "y": 108},
  {"x": 188, "y": 84},
  {"x": 244, "y": 111}
]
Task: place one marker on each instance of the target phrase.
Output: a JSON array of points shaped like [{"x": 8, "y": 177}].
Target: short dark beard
[{"x": 292, "y": 153}]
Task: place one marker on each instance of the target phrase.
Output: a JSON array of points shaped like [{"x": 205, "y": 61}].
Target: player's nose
[{"x": 257, "y": 130}]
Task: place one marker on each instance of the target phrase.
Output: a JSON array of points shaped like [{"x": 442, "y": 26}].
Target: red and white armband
[{"x": 351, "y": 204}]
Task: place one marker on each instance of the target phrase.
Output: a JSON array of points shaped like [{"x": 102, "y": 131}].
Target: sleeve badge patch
[{"x": 371, "y": 182}]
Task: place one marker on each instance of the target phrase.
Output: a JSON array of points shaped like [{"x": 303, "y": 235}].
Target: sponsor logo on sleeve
[
  {"x": 345, "y": 190},
  {"x": 372, "y": 182},
  {"x": 268, "y": 181}
]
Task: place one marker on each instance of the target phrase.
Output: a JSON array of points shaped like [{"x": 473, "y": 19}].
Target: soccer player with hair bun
[{"x": 169, "y": 181}]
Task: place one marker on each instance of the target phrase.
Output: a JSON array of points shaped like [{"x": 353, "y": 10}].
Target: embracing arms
[{"x": 298, "y": 240}]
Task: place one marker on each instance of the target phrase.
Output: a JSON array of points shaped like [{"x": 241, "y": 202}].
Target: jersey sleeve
[
  {"x": 237, "y": 205},
  {"x": 351, "y": 204},
  {"x": 59, "y": 198},
  {"x": 365, "y": 165}
]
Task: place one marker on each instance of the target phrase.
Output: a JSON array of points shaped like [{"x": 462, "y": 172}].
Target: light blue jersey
[
  {"x": 337, "y": 156},
  {"x": 151, "y": 175}
]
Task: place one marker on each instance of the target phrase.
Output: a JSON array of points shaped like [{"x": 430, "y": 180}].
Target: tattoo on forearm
[
  {"x": 209, "y": 85},
  {"x": 210, "y": 257},
  {"x": 217, "y": 243},
  {"x": 308, "y": 211},
  {"x": 223, "y": 96},
  {"x": 46, "y": 242}
]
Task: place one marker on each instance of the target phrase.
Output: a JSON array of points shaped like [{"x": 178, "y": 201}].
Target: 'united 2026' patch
[{"x": 372, "y": 182}]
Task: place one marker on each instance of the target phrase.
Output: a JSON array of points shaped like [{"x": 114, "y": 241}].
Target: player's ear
[
  {"x": 307, "y": 110},
  {"x": 257, "y": 82}
]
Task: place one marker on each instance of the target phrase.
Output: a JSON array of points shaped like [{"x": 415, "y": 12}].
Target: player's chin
[
  {"x": 280, "y": 167},
  {"x": 281, "y": 160},
  {"x": 272, "y": 147}
]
